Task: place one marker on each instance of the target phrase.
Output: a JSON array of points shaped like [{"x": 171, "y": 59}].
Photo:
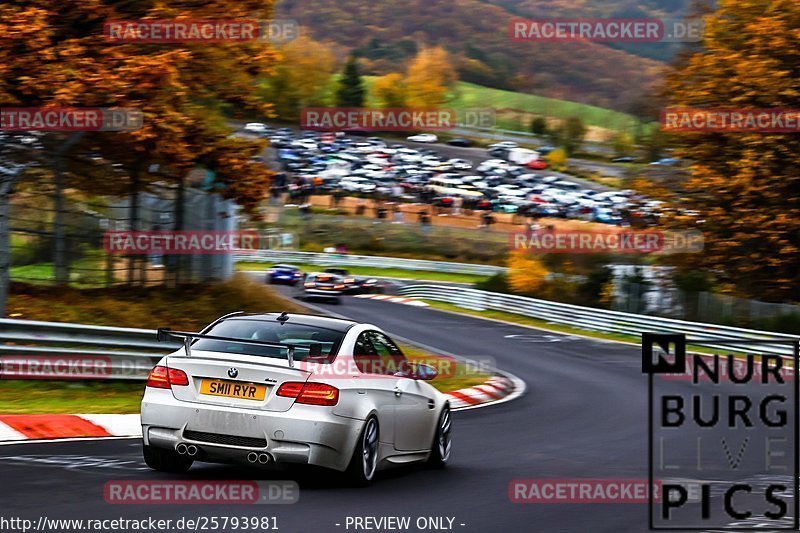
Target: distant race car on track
[
  {"x": 289, "y": 388},
  {"x": 287, "y": 274}
]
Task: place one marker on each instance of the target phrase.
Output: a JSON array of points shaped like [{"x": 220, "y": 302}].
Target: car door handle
[{"x": 398, "y": 391}]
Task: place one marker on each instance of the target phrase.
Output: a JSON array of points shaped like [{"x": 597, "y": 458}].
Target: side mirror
[{"x": 424, "y": 372}]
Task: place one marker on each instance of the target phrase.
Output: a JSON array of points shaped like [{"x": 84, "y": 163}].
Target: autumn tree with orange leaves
[
  {"x": 56, "y": 55},
  {"x": 745, "y": 185},
  {"x": 430, "y": 75}
]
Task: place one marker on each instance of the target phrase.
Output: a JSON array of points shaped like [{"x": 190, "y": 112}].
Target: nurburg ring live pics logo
[{"x": 722, "y": 443}]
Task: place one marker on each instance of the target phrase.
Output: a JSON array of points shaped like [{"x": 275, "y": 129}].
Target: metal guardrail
[
  {"x": 30, "y": 348},
  {"x": 601, "y": 320},
  {"x": 53, "y": 350},
  {"x": 324, "y": 259}
]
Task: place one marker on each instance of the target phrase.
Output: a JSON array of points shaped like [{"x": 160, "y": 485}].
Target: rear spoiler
[{"x": 166, "y": 334}]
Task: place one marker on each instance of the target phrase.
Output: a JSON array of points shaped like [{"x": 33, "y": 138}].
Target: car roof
[{"x": 336, "y": 324}]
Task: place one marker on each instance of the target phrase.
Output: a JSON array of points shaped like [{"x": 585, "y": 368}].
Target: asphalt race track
[{"x": 584, "y": 415}]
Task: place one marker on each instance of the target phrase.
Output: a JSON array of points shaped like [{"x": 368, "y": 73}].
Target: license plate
[{"x": 233, "y": 389}]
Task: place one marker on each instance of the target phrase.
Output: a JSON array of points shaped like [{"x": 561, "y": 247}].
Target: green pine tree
[{"x": 351, "y": 88}]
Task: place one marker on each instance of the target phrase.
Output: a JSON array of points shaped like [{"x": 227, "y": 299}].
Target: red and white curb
[
  {"x": 393, "y": 299},
  {"x": 15, "y": 428},
  {"x": 494, "y": 390},
  {"x": 30, "y": 428}
]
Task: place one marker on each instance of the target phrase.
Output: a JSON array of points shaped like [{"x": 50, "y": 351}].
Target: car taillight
[
  {"x": 290, "y": 389},
  {"x": 338, "y": 286},
  {"x": 310, "y": 393},
  {"x": 162, "y": 377},
  {"x": 349, "y": 280},
  {"x": 308, "y": 284},
  {"x": 178, "y": 377}
]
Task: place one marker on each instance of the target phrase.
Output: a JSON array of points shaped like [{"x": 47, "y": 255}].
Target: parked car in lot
[
  {"x": 357, "y": 184},
  {"x": 460, "y": 164},
  {"x": 666, "y": 161},
  {"x": 423, "y": 138},
  {"x": 544, "y": 150},
  {"x": 257, "y": 128},
  {"x": 465, "y": 143},
  {"x": 537, "y": 164},
  {"x": 284, "y": 274},
  {"x": 508, "y": 145},
  {"x": 365, "y": 165},
  {"x": 257, "y": 389},
  {"x": 324, "y": 286}
]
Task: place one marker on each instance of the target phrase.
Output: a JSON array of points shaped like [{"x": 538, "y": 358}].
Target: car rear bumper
[
  {"x": 284, "y": 279},
  {"x": 305, "y": 434},
  {"x": 319, "y": 293}
]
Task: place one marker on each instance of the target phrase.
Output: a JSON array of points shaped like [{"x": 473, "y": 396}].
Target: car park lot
[{"x": 503, "y": 178}]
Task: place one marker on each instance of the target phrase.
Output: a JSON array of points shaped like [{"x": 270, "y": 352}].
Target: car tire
[
  {"x": 163, "y": 460},
  {"x": 364, "y": 463},
  {"x": 442, "y": 440}
]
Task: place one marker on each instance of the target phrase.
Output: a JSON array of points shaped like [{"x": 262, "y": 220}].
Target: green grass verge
[
  {"x": 189, "y": 307},
  {"x": 370, "y": 271},
  {"x": 85, "y": 272},
  {"x": 56, "y": 397},
  {"x": 461, "y": 378},
  {"x": 469, "y": 95}
]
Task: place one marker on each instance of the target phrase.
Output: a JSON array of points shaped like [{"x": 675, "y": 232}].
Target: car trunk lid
[{"x": 235, "y": 380}]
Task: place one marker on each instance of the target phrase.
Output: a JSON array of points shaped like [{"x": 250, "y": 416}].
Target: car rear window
[{"x": 320, "y": 343}]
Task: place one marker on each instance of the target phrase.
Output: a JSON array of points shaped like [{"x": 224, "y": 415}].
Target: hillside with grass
[{"x": 475, "y": 33}]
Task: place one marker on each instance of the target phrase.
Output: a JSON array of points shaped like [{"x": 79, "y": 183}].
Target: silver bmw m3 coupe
[{"x": 292, "y": 388}]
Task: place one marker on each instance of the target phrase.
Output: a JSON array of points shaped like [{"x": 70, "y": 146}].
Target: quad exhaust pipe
[
  {"x": 261, "y": 458},
  {"x": 186, "y": 449}
]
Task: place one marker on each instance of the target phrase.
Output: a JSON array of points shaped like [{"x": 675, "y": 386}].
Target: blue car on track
[{"x": 285, "y": 274}]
